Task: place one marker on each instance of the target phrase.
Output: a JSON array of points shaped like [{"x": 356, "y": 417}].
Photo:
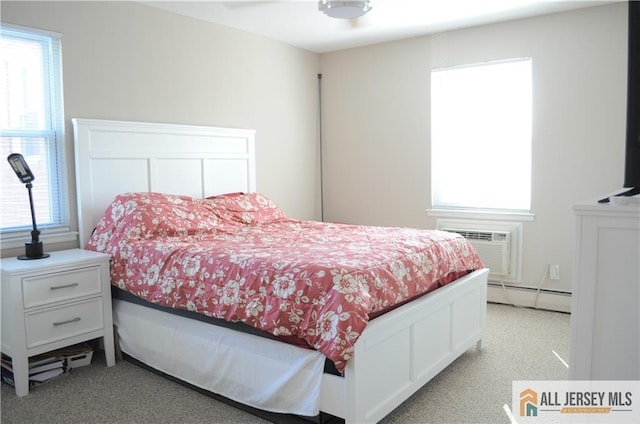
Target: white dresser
[
  {"x": 52, "y": 303},
  {"x": 605, "y": 309}
]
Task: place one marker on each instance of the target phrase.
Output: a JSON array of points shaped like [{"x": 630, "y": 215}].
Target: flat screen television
[{"x": 632, "y": 151}]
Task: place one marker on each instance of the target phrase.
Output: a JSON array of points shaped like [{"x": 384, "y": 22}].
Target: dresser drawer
[
  {"x": 60, "y": 286},
  {"x": 50, "y": 325}
]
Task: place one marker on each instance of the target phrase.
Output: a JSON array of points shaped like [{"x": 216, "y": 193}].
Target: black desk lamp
[{"x": 34, "y": 248}]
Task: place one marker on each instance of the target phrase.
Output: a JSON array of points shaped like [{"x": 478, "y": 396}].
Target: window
[
  {"x": 32, "y": 123},
  {"x": 481, "y": 137}
]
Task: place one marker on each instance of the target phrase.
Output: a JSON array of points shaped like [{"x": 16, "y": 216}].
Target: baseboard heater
[{"x": 553, "y": 300}]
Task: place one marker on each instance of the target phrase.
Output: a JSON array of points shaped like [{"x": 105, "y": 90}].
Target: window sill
[
  {"x": 13, "y": 240},
  {"x": 481, "y": 215}
]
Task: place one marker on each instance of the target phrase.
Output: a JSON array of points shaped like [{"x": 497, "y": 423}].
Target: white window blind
[
  {"x": 481, "y": 137},
  {"x": 32, "y": 123}
]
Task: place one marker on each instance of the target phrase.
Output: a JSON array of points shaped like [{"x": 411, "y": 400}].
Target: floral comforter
[{"x": 238, "y": 257}]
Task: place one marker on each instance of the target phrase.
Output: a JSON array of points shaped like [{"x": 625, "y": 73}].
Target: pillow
[
  {"x": 248, "y": 208},
  {"x": 148, "y": 215}
]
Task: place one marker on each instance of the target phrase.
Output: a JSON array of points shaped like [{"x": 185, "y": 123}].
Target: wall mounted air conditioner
[{"x": 497, "y": 244}]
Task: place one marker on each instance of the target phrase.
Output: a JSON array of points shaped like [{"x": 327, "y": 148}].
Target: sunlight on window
[
  {"x": 31, "y": 123},
  {"x": 22, "y": 105},
  {"x": 481, "y": 136}
]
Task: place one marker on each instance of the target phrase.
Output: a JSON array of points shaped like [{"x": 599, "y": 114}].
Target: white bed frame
[{"x": 415, "y": 341}]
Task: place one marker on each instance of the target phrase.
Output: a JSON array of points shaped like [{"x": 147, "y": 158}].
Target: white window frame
[
  {"x": 60, "y": 231},
  {"x": 486, "y": 212}
]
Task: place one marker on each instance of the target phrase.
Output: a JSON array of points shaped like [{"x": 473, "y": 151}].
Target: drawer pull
[
  {"x": 66, "y": 286},
  {"x": 69, "y": 321}
]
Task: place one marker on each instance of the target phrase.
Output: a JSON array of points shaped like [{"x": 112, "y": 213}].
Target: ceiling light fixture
[{"x": 344, "y": 9}]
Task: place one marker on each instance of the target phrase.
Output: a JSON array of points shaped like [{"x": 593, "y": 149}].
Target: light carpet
[{"x": 520, "y": 345}]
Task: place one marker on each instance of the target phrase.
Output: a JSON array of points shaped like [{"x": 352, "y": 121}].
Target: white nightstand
[{"x": 52, "y": 303}]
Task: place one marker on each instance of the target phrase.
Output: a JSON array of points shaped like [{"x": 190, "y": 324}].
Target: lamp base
[
  {"x": 34, "y": 250},
  {"x": 25, "y": 257}
]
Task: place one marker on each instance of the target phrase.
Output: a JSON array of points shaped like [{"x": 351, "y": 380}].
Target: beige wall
[
  {"x": 133, "y": 62},
  {"x": 376, "y": 124}
]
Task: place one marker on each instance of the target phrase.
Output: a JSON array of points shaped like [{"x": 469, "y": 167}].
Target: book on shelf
[
  {"x": 34, "y": 379},
  {"x": 46, "y": 375},
  {"x": 41, "y": 369},
  {"x": 59, "y": 363},
  {"x": 7, "y": 377},
  {"x": 36, "y": 361},
  {"x": 47, "y": 366},
  {"x": 36, "y": 364}
]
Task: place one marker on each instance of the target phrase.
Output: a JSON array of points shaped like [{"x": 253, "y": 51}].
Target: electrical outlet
[{"x": 554, "y": 272}]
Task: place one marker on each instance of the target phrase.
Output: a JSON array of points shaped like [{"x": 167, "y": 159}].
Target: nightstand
[{"x": 52, "y": 303}]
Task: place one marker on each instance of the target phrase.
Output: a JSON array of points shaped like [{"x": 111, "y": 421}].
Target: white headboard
[{"x": 114, "y": 157}]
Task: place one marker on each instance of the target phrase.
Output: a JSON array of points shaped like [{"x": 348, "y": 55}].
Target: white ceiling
[{"x": 301, "y": 24}]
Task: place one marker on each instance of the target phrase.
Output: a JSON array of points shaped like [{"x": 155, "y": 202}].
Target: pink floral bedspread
[{"x": 238, "y": 257}]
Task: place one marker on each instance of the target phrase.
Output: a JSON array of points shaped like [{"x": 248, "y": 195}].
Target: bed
[{"x": 380, "y": 364}]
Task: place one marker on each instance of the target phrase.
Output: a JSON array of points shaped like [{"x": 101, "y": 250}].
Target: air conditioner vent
[
  {"x": 473, "y": 235},
  {"x": 497, "y": 245}
]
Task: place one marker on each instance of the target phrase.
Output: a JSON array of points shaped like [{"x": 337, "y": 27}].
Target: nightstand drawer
[
  {"x": 46, "y": 289},
  {"x": 50, "y": 325}
]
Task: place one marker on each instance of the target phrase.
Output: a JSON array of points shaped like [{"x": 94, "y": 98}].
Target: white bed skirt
[{"x": 284, "y": 378}]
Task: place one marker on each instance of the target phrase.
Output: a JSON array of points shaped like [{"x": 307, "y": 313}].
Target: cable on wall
[{"x": 320, "y": 142}]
